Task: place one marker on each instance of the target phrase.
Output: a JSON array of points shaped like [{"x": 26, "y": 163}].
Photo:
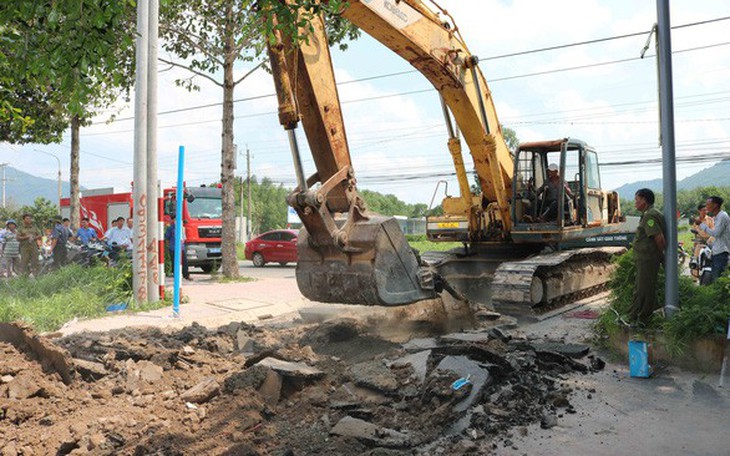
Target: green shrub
[
  {"x": 703, "y": 312},
  {"x": 71, "y": 292}
]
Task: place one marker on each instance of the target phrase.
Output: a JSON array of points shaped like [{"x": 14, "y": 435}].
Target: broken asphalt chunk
[
  {"x": 370, "y": 434},
  {"x": 417, "y": 361},
  {"x": 555, "y": 360},
  {"x": 472, "y": 337},
  {"x": 289, "y": 369},
  {"x": 575, "y": 351},
  {"x": 375, "y": 375}
]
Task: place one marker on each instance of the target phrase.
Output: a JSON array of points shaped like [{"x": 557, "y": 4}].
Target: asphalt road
[{"x": 247, "y": 269}]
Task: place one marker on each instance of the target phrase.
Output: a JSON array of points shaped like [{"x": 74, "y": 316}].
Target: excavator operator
[{"x": 551, "y": 191}]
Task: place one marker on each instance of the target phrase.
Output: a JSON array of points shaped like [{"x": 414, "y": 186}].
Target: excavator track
[{"x": 535, "y": 285}]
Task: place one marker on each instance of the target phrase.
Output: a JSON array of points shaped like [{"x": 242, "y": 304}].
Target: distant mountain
[
  {"x": 22, "y": 188},
  {"x": 717, "y": 175}
]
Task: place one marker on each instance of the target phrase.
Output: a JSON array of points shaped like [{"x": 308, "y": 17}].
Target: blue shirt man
[
  {"x": 86, "y": 233},
  {"x": 170, "y": 241}
]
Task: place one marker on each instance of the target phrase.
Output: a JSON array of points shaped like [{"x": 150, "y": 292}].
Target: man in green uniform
[
  {"x": 649, "y": 246},
  {"x": 28, "y": 235}
]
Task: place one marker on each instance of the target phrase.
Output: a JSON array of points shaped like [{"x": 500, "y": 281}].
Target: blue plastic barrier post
[{"x": 178, "y": 232}]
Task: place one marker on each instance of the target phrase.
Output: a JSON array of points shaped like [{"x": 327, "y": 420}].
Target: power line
[
  {"x": 599, "y": 40},
  {"x": 400, "y": 73}
]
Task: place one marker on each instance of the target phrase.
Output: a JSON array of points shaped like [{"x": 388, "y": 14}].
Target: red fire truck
[{"x": 202, "y": 211}]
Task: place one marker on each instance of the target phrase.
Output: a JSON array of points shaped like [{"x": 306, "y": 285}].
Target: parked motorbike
[
  {"x": 93, "y": 252},
  {"x": 85, "y": 255},
  {"x": 700, "y": 265}
]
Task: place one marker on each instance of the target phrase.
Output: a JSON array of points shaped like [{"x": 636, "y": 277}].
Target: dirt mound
[{"x": 301, "y": 390}]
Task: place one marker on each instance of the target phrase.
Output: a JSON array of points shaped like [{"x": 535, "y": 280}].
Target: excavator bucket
[{"x": 378, "y": 267}]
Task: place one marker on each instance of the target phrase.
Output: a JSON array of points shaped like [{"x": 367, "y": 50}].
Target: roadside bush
[
  {"x": 703, "y": 312},
  {"x": 72, "y": 292}
]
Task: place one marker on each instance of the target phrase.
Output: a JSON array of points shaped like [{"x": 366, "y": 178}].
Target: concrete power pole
[
  {"x": 154, "y": 227},
  {"x": 669, "y": 167},
  {"x": 4, "y": 179},
  {"x": 240, "y": 202},
  {"x": 248, "y": 179},
  {"x": 139, "y": 260}
]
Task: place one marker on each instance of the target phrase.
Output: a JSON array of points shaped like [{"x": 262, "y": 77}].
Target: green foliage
[
  {"x": 428, "y": 246},
  {"x": 268, "y": 203},
  {"x": 60, "y": 59},
  {"x": 703, "y": 312},
  {"x": 42, "y": 210},
  {"x": 510, "y": 137},
  {"x": 269, "y": 207},
  {"x": 391, "y": 205},
  {"x": 44, "y": 118},
  {"x": 72, "y": 292},
  {"x": 208, "y": 34}
]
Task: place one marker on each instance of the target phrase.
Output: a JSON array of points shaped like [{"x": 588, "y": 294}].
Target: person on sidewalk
[
  {"x": 11, "y": 248},
  {"x": 30, "y": 238},
  {"x": 59, "y": 238},
  {"x": 721, "y": 233},
  {"x": 170, "y": 242},
  {"x": 649, "y": 246}
]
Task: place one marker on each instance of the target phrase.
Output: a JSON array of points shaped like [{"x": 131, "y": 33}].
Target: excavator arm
[
  {"x": 346, "y": 253},
  {"x": 434, "y": 47}
]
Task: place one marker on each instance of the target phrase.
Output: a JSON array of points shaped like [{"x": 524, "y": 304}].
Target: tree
[
  {"x": 510, "y": 137},
  {"x": 63, "y": 61},
  {"x": 42, "y": 210},
  {"x": 208, "y": 37}
]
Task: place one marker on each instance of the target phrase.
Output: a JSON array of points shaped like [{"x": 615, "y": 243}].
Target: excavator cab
[{"x": 557, "y": 193}]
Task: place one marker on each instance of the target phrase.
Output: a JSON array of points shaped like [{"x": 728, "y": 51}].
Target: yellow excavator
[{"x": 535, "y": 235}]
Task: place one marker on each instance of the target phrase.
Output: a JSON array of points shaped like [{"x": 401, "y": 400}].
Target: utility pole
[
  {"x": 4, "y": 179},
  {"x": 59, "y": 176},
  {"x": 240, "y": 199},
  {"x": 153, "y": 226},
  {"x": 248, "y": 179},
  {"x": 139, "y": 260},
  {"x": 669, "y": 167}
]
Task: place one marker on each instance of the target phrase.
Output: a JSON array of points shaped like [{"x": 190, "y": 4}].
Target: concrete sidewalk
[{"x": 212, "y": 305}]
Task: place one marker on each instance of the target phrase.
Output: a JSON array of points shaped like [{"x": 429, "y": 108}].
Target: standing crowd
[
  {"x": 22, "y": 247},
  {"x": 713, "y": 224}
]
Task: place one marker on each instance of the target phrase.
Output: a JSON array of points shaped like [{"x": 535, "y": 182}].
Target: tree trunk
[
  {"x": 228, "y": 246},
  {"x": 75, "y": 205}
]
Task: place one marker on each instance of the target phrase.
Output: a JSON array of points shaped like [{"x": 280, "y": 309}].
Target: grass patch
[
  {"x": 51, "y": 300},
  {"x": 704, "y": 310},
  {"x": 421, "y": 243}
]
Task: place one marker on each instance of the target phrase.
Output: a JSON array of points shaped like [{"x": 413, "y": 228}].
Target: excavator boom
[{"x": 347, "y": 254}]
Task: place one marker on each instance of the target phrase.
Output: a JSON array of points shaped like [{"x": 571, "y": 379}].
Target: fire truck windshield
[{"x": 205, "y": 207}]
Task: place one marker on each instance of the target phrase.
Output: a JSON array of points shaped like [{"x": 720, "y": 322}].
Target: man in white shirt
[
  {"x": 118, "y": 235},
  {"x": 721, "y": 233}
]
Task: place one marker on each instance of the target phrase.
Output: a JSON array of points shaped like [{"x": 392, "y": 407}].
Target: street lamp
[{"x": 59, "y": 176}]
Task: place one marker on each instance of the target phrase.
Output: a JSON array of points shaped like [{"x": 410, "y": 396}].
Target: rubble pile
[{"x": 332, "y": 388}]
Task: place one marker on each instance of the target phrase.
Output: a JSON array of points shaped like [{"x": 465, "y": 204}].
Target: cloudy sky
[{"x": 394, "y": 123}]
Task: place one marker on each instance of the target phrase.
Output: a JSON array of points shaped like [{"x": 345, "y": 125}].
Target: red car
[{"x": 279, "y": 246}]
